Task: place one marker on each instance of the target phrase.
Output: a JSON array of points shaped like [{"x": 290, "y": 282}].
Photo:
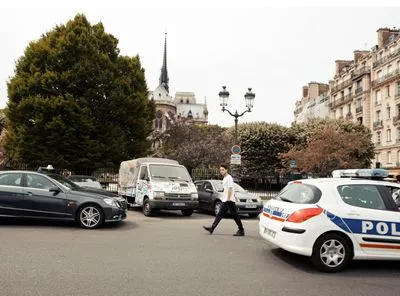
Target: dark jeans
[{"x": 231, "y": 206}]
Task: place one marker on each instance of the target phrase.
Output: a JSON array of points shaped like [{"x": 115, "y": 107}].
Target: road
[{"x": 169, "y": 255}]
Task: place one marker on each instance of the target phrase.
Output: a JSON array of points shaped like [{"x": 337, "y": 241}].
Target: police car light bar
[{"x": 360, "y": 173}]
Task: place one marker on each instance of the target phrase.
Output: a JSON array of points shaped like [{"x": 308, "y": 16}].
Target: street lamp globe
[
  {"x": 223, "y": 97},
  {"x": 249, "y": 97}
]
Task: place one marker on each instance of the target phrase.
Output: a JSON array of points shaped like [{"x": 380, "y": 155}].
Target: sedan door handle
[
  {"x": 353, "y": 214},
  {"x": 29, "y": 193}
]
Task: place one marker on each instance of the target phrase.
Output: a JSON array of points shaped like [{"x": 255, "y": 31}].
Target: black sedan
[
  {"x": 50, "y": 196},
  {"x": 211, "y": 192}
]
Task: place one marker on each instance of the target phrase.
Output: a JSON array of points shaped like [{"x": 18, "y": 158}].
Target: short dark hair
[{"x": 223, "y": 165}]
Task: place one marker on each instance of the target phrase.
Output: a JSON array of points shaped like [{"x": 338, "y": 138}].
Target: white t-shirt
[{"x": 228, "y": 183}]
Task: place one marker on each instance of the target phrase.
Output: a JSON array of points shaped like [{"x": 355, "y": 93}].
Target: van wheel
[
  {"x": 331, "y": 253},
  {"x": 187, "y": 213},
  {"x": 147, "y": 210}
]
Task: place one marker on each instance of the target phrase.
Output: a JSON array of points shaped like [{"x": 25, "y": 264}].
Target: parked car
[
  {"x": 335, "y": 220},
  {"x": 50, "y": 196},
  {"x": 210, "y": 194},
  {"x": 85, "y": 181}
]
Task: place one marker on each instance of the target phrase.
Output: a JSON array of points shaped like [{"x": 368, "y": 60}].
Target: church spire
[{"x": 164, "y": 72}]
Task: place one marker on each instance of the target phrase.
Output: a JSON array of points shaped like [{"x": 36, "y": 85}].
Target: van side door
[{"x": 142, "y": 187}]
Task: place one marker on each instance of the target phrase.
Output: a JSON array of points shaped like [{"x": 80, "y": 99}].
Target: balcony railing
[
  {"x": 343, "y": 100},
  {"x": 349, "y": 116},
  {"x": 386, "y": 77},
  {"x": 361, "y": 71},
  {"x": 386, "y": 58},
  {"x": 359, "y": 90},
  {"x": 341, "y": 85},
  {"x": 359, "y": 109},
  {"x": 378, "y": 124}
]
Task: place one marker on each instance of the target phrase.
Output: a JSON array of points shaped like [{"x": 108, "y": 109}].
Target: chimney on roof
[
  {"x": 340, "y": 64},
  {"x": 305, "y": 91},
  {"x": 384, "y": 35}
]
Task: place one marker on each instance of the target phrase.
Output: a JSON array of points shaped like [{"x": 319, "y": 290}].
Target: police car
[{"x": 335, "y": 220}]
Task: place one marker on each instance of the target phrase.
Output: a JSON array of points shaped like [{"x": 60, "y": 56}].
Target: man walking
[{"x": 228, "y": 203}]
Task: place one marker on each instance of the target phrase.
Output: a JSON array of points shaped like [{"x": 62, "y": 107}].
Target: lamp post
[{"x": 223, "y": 101}]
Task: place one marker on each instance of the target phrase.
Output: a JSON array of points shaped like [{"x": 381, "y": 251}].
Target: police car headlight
[
  {"x": 111, "y": 202},
  {"x": 159, "y": 195},
  {"x": 194, "y": 196}
]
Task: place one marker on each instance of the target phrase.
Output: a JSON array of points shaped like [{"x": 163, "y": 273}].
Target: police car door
[{"x": 372, "y": 217}]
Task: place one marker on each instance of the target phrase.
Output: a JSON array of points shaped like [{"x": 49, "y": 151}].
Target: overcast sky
[{"x": 275, "y": 48}]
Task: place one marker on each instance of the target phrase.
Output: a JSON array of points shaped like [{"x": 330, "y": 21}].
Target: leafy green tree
[
  {"x": 75, "y": 102},
  {"x": 261, "y": 144},
  {"x": 326, "y": 145},
  {"x": 196, "y": 146}
]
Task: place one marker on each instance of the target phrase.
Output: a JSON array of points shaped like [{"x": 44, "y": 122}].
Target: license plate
[
  {"x": 270, "y": 232},
  {"x": 250, "y": 206},
  {"x": 177, "y": 204}
]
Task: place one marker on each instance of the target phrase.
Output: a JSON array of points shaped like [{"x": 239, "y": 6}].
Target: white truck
[{"x": 157, "y": 184}]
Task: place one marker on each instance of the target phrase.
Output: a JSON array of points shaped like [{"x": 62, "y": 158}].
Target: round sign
[{"x": 236, "y": 149}]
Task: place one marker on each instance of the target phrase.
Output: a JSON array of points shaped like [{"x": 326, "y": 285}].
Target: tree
[
  {"x": 75, "y": 102},
  {"x": 261, "y": 144},
  {"x": 196, "y": 145},
  {"x": 327, "y": 145}
]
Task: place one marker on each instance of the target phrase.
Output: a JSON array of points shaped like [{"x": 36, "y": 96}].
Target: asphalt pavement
[{"x": 169, "y": 255}]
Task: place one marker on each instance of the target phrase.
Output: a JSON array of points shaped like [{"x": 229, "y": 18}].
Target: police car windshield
[{"x": 299, "y": 193}]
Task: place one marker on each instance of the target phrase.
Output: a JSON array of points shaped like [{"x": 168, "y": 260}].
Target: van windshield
[{"x": 169, "y": 172}]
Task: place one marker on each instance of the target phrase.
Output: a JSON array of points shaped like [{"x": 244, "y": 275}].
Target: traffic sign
[
  {"x": 236, "y": 149},
  {"x": 236, "y": 159},
  {"x": 292, "y": 164}
]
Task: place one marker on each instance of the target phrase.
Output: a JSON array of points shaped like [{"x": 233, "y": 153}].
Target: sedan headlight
[
  {"x": 195, "y": 196},
  {"x": 111, "y": 202}
]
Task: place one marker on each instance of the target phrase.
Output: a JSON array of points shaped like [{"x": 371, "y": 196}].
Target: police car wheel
[{"x": 331, "y": 253}]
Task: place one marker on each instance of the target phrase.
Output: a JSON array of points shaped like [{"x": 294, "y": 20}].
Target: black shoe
[
  {"x": 239, "y": 233},
  {"x": 209, "y": 229}
]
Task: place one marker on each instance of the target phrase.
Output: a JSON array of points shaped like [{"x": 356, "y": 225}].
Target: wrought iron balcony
[
  {"x": 341, "y": 85},
  {"x": 361, "y": 71},
  {"x": 378, "y": 124},
  {"x": 386, "y": 77},
  {"x": 359, "y": 90},
  {"x": 349, "y": 115},
  {"x": 359, "y": 109}
]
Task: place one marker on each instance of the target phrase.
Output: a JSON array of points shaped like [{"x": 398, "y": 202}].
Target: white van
[{"x": 157, "y": 184}]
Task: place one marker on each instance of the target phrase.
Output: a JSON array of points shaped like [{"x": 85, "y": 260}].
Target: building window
[
  {"x": 349, "y": 109},
  {"x": 378, "y": 115},
  {"x": 187, "y": 101},
  {"x": 398, "y": 88},
  {"x": 388, "y": 112},
  {"x": 341, "y": 111},
  {"x": 158, "y": 120},
  {"x": 389, "y": 69},
  {"x": 388, "y": 91},
  {"x": 389, "y": 135},
  {"x": 360, "y": 120},
  {"x": 389, "y": 157},
  {"x": 359, "y": 85},
  {"x": 181, "y": 101},
  {"x": 377, "y": 97},
  {"x": 379, "y": 74}
]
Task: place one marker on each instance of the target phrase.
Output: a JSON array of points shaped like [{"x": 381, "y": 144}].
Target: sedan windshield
[{"x": 67, "y": 183}]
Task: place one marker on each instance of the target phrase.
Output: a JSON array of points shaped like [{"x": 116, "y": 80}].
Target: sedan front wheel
[{"x": 90, "y": 216}]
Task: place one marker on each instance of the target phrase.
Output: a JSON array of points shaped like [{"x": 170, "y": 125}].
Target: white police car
[{"x": 334, "y": 220}]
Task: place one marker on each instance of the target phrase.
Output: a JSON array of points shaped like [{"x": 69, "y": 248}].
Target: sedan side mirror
[{"x": 55, "y": 189}]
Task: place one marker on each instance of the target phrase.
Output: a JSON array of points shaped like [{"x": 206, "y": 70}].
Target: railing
[
  {"x": 378, "y": 124},
  {"x": 341, "y": 85},
  {"x": 386, "y": 77},
  {"x": 386, "y": 58},
  {"x": 343, "y": 100},
  {"x": 358, "y": 91},
  {"x": 359, "y": 109},
  {"x": 349, "y": 116},
  {"x": 361, "y": 71}
]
